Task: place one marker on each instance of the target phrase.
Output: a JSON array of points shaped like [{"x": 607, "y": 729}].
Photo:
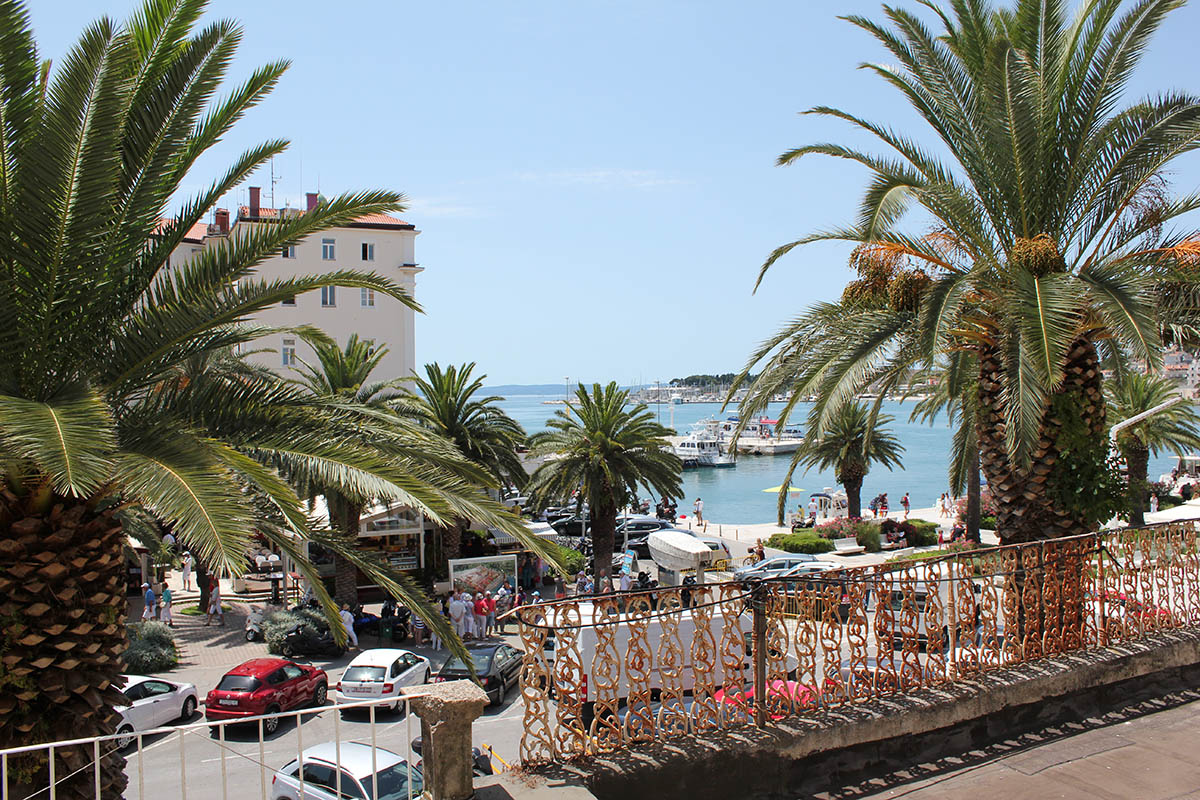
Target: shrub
[
  {"x": 867, "y": 536},
  {"x": 803, "y": 542},
  {"x": 277, "y": 624},
  {"x": 987, "y": 507},
  {"x": 572, "y": 559},
  {"x": 987, "y": 522},
  {"x": 151, "y": 648},
  {"x": 844, "y": 528}
]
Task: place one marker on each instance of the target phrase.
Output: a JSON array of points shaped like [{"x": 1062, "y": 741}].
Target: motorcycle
[
  {"x": 365, "y": 622},
  {"x": 254, "y": 624},
  {"x": 303, "y": 640},
  {"x": 481, "y": 762}
]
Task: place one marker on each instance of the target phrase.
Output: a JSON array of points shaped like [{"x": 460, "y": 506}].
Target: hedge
[
  {"x": 276, "y": 625},
  {"x": 802, "y": 542},
  {"x": 151, "y": 648}
]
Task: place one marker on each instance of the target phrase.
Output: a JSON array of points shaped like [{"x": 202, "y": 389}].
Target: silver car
[
  {"x": 153, "y": 702},
  {"x": 324, "y": 764},
  {"x": 773, "y": 567}
]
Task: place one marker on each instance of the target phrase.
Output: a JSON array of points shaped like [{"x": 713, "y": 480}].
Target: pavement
[{"x": 1146, "y": 751}]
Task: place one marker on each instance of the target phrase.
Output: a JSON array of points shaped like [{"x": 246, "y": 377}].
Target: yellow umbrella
[{"x": 779, "y": 488}]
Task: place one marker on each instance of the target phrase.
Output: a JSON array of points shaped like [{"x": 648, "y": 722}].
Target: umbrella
[{"x": 778, "y": 489}]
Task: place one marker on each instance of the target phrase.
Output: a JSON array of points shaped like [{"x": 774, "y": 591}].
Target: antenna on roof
[{"x": 274, "y": 180}]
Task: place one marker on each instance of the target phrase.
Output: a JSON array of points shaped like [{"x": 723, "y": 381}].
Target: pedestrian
[
  {"x": 1153, "y": 503},
  {"x": 698, "y": 510},
  {"x": 458, "y": 615},
  {"x": 348, "y": 625},
  {"x": 418, "y": 629},
  {"x": 874, "y": 506},
  {"x": 904, "y": 504},
  {"x": 581, "y": 583},
  {"x": 481, "y": 612},
  {"x": 187, "y": 572},
  {"x": 760, "y": 553},
  {"x": 813, "y": 508},
  {"x": 626, "y": 580},
  {"x": 148, "y": 603},
  {"x": 883, "y": 505},
  {"x": 490, "y": 602},
  {"x": 165, "y": 603},
  {"x": 560, "y": 587},
  {"x": 214, "y": 603},
  {"x": 504, "y": 604}
]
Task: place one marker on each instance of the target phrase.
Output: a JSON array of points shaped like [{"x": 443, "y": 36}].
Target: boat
[
  {"x": 703, "y": 447},
  {"x": 762, "y": 437}
]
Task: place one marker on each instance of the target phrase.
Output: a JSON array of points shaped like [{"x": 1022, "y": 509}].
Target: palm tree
[
  {"x": 341, "y": 375},
  {"x": 1048, "y": 265},
  {"x": 488, "y": 437},
  {"x": 98, "y": 415},
  {"x": 849, "y": 443},
  {"x": 1174, "y": 428},
  {"x": 605, "y": 451}
]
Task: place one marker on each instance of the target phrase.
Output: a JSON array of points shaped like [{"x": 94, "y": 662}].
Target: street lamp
[{"x": 567, "y": 390}]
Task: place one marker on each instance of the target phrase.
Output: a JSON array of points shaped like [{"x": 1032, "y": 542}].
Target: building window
[
  {"x": 368, "y": 251},
  {"x": 327, "y": 250},
  {"x": 328, "y": 296},
  {"x": 368, "y": 298},
  {"x": 288, "y": 301},
  {"x": 289, "y": 352},
  {"x": 289, "y": 251}
]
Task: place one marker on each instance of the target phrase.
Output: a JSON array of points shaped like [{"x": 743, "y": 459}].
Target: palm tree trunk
[
  {"x": 62, "y": 597},
  {"x": 1137, "y": 459},
  {"x": 853, "y": 487},
  {"x": 452, "y": 540},
  {"x": 973, "y": 505},
  {"x": 604, "y": 527},
  {"x": 344, "y": 516},
  {"x": 1025, "y": 510},
  {"x": 202, "y": 583}
]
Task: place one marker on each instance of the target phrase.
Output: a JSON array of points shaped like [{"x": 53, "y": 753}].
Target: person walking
[
  {"x": 580, "y": 583},
  {"x": 760, "y": 552},
  {"x": 1153, "y": 503},
  {"x": 904, "y": 502},
  {"x": 490, "y": 602},
  {"x": 348, "y": 625},
  {"x": 148, "y": 603},
  {"x": 214, "y": 603},
  {"x": 504, "y": 604},
  {"x": 883, "y": 505},
  {"x": 457, "y": 615},
  {"x": 419, "y": 629},
  {"x": 187, "y": 571},
  {"x": 165, "y": 603},
  {"x": 698, "y": 509},
  {"x": 480, "y": 609}
]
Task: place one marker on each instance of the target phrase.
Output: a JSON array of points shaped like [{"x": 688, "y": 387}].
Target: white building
[{"x": 377, "y": 243}]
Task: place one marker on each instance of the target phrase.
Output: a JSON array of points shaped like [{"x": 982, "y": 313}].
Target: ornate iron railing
[{"x": 601, "y": 674}]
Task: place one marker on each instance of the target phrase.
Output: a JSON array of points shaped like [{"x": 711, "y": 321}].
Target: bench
[
  {"x": 899, "y": 544},
  {"x": 847, "y": 547}
]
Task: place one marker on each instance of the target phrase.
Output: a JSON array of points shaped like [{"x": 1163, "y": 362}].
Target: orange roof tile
[
  {"x": 196, "y": 233},
  {"x": 374, "y": 220}
]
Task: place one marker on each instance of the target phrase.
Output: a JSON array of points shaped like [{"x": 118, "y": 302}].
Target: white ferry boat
[
  {"x": 762, "y": 437},
  {"x": 703, "y": 447}
]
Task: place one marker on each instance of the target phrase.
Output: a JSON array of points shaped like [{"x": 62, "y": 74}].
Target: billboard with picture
[{"x": 483, "y": 574}]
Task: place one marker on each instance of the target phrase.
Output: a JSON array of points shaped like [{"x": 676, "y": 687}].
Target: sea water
[{"x": 736, "y": 496}]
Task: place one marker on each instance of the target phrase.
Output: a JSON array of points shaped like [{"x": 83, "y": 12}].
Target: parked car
[
  {"x": 153, "y": 702},
  {"x": 634, "y": 533},
  {"x": 574, "y": 525},
  {"x": 266, "y": 686},
  {"x": 720, "y": 558},
  {"x": 363, "y": 770},
  {"x": 773, "y": 567},
  {"x": 381, "y": 673},
  {"x": 497, "y": 665}
]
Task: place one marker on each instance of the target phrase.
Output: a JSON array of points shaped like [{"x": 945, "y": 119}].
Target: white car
[
  {"x": 352, "y": 767},
  {"x": 381, "y": 673},
  {"x": 153, "y": 702}
]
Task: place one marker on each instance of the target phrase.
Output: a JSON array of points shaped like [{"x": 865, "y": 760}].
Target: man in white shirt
[
  {"x": 698, "y": 507},
  {"x": 457, "y": 612},
  {"x": 626, "y": 581},
  {"x": 348, "y": 624},
  {"x": 812, "y": 508}
]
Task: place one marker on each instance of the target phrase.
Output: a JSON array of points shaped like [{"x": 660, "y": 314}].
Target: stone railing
[{"x": 603, "y": 674}]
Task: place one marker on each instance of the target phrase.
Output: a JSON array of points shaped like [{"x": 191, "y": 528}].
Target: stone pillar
[{"x": 447, "y": 711}]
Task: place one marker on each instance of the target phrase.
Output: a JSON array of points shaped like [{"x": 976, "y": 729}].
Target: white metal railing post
[
  {"x": 182, "y": 767},
  {"x": 300, "y": 756},
  {"x": 337, "y": 754},
  {"x": 408, "y": 743},
  {"x": 141, "y": 769},
  {"x": 53, "y": 777},
  {"x": 374, "y": 761},
  {"x": 262, "y": 757},
  {"x": 96, "y": 755},
  {"x": 224, "y": 774},
  {"x": 4, "y": 777}
]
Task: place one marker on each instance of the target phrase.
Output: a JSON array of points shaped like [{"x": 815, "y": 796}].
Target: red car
[{"x": 266, "y": 686}]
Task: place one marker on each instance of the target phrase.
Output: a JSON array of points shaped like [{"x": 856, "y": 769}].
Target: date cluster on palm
[{"x": 63, "y": 607}]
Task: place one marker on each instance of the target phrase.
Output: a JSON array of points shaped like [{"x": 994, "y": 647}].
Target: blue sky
[{"x": 594, "y": 181}]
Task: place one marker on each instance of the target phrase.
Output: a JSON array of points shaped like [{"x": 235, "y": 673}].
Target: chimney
[
  {"x": 255, "y": 194},
  {"x": 222, "y": 217},
  {"x": 311, "y": 197}
]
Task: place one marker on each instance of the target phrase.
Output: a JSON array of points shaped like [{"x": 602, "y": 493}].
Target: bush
[
  {"x": 151, "y": 648},
  {"x": 803, "y": 542},
  {"x": 987, "y": 523},
  {"x": 868, "y": 536},
  {"x": 572, "y": 559},
  {"x": 277, "y": 624},
  {"x": 841, "y": 528},
  {"x": 987, "y": 506}
]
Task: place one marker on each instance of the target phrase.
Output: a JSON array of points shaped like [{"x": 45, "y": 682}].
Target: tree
[
  {"x": 850, "y": 442},
  {"x": 1047, "y": 265},
  {"x": 95, "y": 416},
  {"x": 1174, "y": 428},
  {"x": 342, "y": 374},
  {"x": 488, "y": 437},
  {"x": 605, "y": 451}
]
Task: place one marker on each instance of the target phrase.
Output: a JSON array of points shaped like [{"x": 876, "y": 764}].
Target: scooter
[
  {"x": 365, "y": 622},
  {"x": 302, "y": 640},
  {"x": 254, "y": 624}
]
